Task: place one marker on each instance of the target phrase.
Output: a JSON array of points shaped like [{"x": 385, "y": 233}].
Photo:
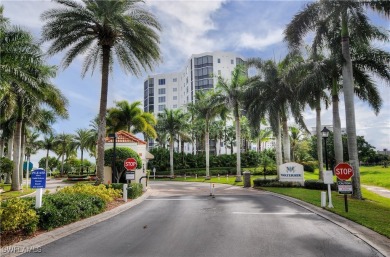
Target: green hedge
[
  {"x": 17, "y": 215},
  {"x": 319, "y": 185},
  {"x": 273, "y": 183},
  {"x": 133, "y": 192},
  {"x": 61, "y": 209}
]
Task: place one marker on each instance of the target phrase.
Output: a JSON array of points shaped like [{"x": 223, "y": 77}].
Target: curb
[
  {"x": 34, "y": 244},
  {"x": 370, "y": 237}
]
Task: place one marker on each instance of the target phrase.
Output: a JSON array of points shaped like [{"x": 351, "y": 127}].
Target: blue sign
[
  {"x": 38, "y": 178},
  {"x": 30, "y": 166}
]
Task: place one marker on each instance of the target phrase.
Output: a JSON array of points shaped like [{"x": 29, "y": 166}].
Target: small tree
[
  {"x": 6, "y": 166},
  {"x": 122, "y": 153}
]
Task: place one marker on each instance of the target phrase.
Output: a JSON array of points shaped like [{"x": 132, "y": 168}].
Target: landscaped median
[{"x": 19, "y": 218}]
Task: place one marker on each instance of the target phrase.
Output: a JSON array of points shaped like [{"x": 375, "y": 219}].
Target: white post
[
  {"x": 330, "y": 205},
  {"x": 38, "y": 198},
  {"x": 125, "y": 193},
  {"x": 323, "y": 199},
  {"x": 154, "y": 173},
  {"x": 210, "y": 190}
]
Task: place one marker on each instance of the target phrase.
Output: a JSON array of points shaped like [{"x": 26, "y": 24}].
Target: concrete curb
[
  {"x": 374, "y": 239},
  {"x": 34, "y": 244}
]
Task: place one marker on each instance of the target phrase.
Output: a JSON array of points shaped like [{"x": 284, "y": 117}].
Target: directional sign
[
  {"x": 343, "y": 171},
  {"x": 130, "y": 164},
  {"x": 38, "y": 178}
]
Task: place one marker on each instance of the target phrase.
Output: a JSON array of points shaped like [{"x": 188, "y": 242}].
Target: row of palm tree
[{"x": 28, "y": 99}]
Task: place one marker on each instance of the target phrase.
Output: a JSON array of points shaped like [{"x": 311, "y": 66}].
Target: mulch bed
[{"x": 10, "y": 238}]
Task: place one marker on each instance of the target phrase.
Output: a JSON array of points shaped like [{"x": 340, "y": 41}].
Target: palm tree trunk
[
  {"x": 62, "y": 165},
  {"x": 10, "y": 147},
  {"x": 15, "y": 186},
  {"x": 207, "y": 144},
  {"x": 319, "y": 142},
  {"x": 22, "y": 151},
  {"x": 337, "y": 138},
  {"x": 278, "y": 152},
  {"x": 1, "y": 147},
  {"x": 238, "y": 143},
  {"x": 286, "y": 140},
  {"x": 47, "y": 160},
  {"x": 102, "y": 114},
  {"x": 171, "y": 142},
  {"x": 350, "y": 108},
  {"x": 82, "y": 158}
]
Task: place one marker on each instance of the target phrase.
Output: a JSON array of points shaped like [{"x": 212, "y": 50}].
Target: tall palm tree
[
  {"x": 65, "y": 145},
  {"x": 99, "y": 30},
  {"x": 206, "y": 108},
  {"x": 231, "y": 93},
  {"x": 48, "y": 143},
  {"x": 346, "y": 14},
  {"x": 173, "y": 122},
  {"x": 83, "y": 141}
]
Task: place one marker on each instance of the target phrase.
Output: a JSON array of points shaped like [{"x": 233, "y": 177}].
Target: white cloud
[{"x": 249, "y": 40}]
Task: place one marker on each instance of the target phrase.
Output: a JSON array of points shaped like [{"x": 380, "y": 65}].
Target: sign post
[
  {"x": 38, "y": 181},
  {"x": 328, "y": 179},
  {"x": 344, "y": 171}
]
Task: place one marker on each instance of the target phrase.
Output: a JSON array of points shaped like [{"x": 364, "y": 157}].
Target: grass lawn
[
  {"x": 373, "y": 212},
  {"x": 12, "y": 194},
  {"x": 375, "y": 176}
]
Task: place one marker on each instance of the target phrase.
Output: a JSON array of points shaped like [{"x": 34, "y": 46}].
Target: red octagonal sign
[
  {"x": 130, "y": 164},
  {"x": 343, "y": 171}
]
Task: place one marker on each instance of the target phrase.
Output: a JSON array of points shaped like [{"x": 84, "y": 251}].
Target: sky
[{"x": 248, "y": 27}]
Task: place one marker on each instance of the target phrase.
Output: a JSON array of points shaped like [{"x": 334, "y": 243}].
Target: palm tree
[
  {"x": 48, "y": 143},
  {"x": 206, "y": 108},
  {"x": 83, "y": 141},
  {"x": 173, "y": 122},
  {"x": 99, "y": 30},
  {"x": 231, "y": 93},
  {"x": 65, "y": 145},
  {"x": 346, "y": 14}
]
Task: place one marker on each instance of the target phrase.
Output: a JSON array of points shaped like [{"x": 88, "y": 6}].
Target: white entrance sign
[
  {"x": 291, "y": 172},
  {"x": 328, "y": 177}
]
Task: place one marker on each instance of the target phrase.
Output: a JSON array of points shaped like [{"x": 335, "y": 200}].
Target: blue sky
[{"x": 250, "y": 28}]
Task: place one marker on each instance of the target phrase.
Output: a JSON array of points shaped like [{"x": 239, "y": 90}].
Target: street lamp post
[
  {"x": 325, "y": 135},
  {"x": 114, "y": 173}
]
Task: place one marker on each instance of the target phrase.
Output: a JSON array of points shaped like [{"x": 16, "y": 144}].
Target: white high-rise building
[{"x": 177, "y": 89}]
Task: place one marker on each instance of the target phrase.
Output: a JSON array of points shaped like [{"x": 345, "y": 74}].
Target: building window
[
  {"x": 161, "y": 91},
  {"x": 175, "y": 106},
  {"x": 161, "y": 107},
  {"x": 175, "y": 97},
  {"x": 174, "y": 79},
  {"x": 174, "y": 89},
  {"x": 219, "y": 60},
  {"x": 161, "y": 81},
  {"x": 161, "y": 99},
  {"x": 232, "y": 61}
]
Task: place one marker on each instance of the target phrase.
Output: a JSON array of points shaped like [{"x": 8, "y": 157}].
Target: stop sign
[
  {"x": 130, "y": 164},
  {"x": 343, "y": 171}
]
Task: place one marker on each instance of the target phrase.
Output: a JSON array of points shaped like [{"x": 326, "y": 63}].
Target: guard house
[{"x": 126, "y": 139}]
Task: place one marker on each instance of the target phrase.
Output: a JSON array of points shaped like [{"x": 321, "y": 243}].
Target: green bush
[
  {"x": 134, "y": 191},
  {"x": 273, "y": 183},
  {"x": 309, "y": 166},
  {"x": 16, "y": 214},
  {"x": 6, "y": 165},
  {"x": 63, "y": 208},
  {"x": 319, "y": 185}
]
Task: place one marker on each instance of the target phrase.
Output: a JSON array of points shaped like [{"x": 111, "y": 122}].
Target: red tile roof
[{"x": 125, "y": 137}]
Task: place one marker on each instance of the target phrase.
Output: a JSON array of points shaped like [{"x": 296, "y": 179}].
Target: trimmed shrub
[
  {"x": 16, "y": 214},
  {"x": 134, "y": 191},
  {"x": 273, "y": 183},
  {"x": 62, "y": 208},
  {"x": 107, "y": 194},
  {"x": 309, "y": 166},
  {"x": 319, "y": 185}
]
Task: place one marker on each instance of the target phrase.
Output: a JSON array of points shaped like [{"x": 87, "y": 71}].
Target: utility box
[{"x": 247, "y": 179}]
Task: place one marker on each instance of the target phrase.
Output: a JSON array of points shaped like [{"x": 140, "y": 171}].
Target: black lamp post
[
  {"x": 325, "y": 135},
  {"x": 114, "y": 173}
]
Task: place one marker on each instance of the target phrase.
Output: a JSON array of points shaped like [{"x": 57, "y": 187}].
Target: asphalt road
[{"x": 182, "y": 220}]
